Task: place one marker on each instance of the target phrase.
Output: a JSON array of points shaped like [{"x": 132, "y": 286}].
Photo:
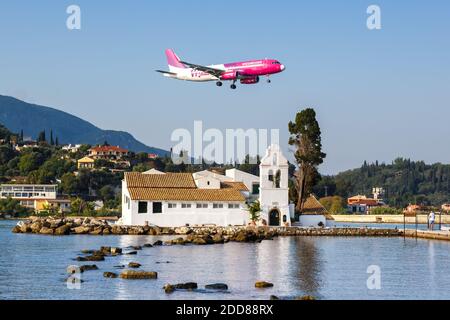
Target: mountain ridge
[{"x": 18, "y": 115}]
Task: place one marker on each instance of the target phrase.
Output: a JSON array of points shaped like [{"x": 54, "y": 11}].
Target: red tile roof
[{"x": 108, "y": 149}]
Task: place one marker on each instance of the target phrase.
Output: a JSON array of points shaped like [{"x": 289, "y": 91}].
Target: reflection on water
[
  {"x": 308, "y": 265},
  {"x": 34, "y": 267}
]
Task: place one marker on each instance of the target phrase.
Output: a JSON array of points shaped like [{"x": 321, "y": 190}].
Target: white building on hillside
[{"x": 203, "y": 198}]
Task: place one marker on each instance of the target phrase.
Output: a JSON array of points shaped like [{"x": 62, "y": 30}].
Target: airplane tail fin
[{"x": 173, "y": 61}]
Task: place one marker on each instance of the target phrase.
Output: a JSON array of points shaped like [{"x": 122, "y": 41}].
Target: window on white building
[
  {"x": 217, "y": 205},
  {"x": 142, "y": 206},
  {"x": 171, "y": 205},
  {"x": 157, "y": 207},
  {"x": 233, "y": 206},
  {"x": 202, "y": 205},
  {"x": 185, "y": 205}
]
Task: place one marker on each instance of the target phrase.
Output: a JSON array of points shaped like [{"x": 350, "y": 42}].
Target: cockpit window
[{"x": 276, "y": 62}]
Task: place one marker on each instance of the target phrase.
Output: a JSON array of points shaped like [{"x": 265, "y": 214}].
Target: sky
[{"x": 378, "y": 94}]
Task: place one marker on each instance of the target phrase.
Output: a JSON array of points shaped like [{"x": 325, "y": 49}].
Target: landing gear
[
  {"x": 268, "y": 80},
  {"x": 219, "y": 83},
  {"x": 233, "y": 86}
]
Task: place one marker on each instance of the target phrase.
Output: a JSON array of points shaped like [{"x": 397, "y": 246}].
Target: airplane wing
[
  {"x": 166, "y": 72},
  {"x": 213, "y": 71}
]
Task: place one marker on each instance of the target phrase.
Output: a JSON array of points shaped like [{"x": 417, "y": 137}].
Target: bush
[{"x": 385, "y": 210}]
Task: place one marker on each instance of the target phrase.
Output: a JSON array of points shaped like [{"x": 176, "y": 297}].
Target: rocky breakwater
[{"x": 194, "y": 235}]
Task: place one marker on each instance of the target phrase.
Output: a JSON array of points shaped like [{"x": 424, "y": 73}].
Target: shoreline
[{"x": 391, "y": 218}]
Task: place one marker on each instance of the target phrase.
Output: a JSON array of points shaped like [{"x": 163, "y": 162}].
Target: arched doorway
[{"x": 274, "y": 217}]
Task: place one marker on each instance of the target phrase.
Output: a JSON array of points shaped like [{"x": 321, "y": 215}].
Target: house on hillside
[
  {"x": 206, "y": 197},
  {"x": 39, "y": 197},
  {"x": 111, "y": 153},
  {"x": 85, "y": 163},
  {"x": 314, "y": 214},
  {"x": 360, "y": 204},
  {"x": 71, "y": 147}
]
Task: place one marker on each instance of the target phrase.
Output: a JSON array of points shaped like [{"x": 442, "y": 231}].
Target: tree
[
  {"x": 41, "y": 137},
  {"x": 69, "y": 183},
  {"x": 107, "y": 193},
  {"x": 52, "y": 142},
  {"x": 254, "y": 209},
  {"x": 306, "y": 137}
]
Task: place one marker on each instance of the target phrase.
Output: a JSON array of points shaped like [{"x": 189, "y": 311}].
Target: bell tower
[{"x": 274, "y": 190}]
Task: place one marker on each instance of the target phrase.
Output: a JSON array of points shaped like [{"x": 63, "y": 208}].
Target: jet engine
[{"x": 250, "y": 80}]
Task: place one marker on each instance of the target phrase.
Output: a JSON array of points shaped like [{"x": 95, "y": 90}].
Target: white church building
[{"x": 208, "y": 198}]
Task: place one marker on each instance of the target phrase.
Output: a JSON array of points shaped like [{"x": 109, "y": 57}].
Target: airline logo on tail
[{"x": 246, "y": 72}]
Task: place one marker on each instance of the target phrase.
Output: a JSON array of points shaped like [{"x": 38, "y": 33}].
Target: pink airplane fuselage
[
  {"x": 247, "y": 72},
  {"x": 245, "y": 69}
]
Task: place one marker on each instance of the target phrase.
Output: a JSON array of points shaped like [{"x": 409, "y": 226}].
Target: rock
[
  {"x": 17, "y": 229},
  {"x": 109, "y": 274},
  {"x": 116, "y": 229},
  {"x": 81, "y": 230},
  {"x": 158, "y": 243},
  {"x": 306, "y": 297},
  {"x": 78, "y": 221},
  {"x": 105, "y": 250},
  {"x": 199, "y": 241},
  {"x": 25, "y": 228},
  {"x": 186, "y": 286},
  {"x": 120, "y": 267},
  {"x": 158, "y": 262},
  {"x": 263, "y": 284},
  {"x": 45, "y": 230},
  {"x": 168, "y": 243},
  {"x": 62, "y": 230},
  {"x": 132, "y": 252},
  {"x": 180, "y": 241},
  {"x": 148, "y": 245},
  {"x": 217, "y": 286},
  {"x": 131, "y": 274},
  {"x": 218, "y": 238},
  {"x": 91, "y": 258},
  {"x": 136, "y": 247},
  {"x": 36, "y": 227},
  {"x": 97, "y": 231},
  {"x": 115, "y": 250},
  {"x": 87, "y": 251},
  {"x": 168, "y": 288},
  {"x": 272, "y": 297},
  {"x": 106, "y": 231},
  {"x": 87, "y": 267},
  {"x": 134, "y": 265}
]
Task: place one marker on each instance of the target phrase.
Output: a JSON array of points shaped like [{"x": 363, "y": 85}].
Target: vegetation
[
  {"x": 334, "y": 204},
  {"x": 254, "y": 209},
  {"x": 13, "y": 208},
  {"x": 385, "y": 210},
  {"x": 306, "y": 137},
  {"x": 404, "y": 181}
]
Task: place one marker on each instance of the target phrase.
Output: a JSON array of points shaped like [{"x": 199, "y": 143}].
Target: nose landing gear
[
  {"x": 219, "y": 83},
  {"x": 233, "y": 86}
]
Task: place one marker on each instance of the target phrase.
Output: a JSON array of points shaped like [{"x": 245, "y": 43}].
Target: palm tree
[{"x": 254, "y": 210}]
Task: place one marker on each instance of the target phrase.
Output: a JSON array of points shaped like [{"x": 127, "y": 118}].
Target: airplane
[{"x": 247, "y": 72}]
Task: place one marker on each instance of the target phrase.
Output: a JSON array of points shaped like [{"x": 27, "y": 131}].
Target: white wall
[
  {"x": 312, "y": 220},
  {"x": 176, "y": 217},
  {"x": 244, "y": 177}
]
